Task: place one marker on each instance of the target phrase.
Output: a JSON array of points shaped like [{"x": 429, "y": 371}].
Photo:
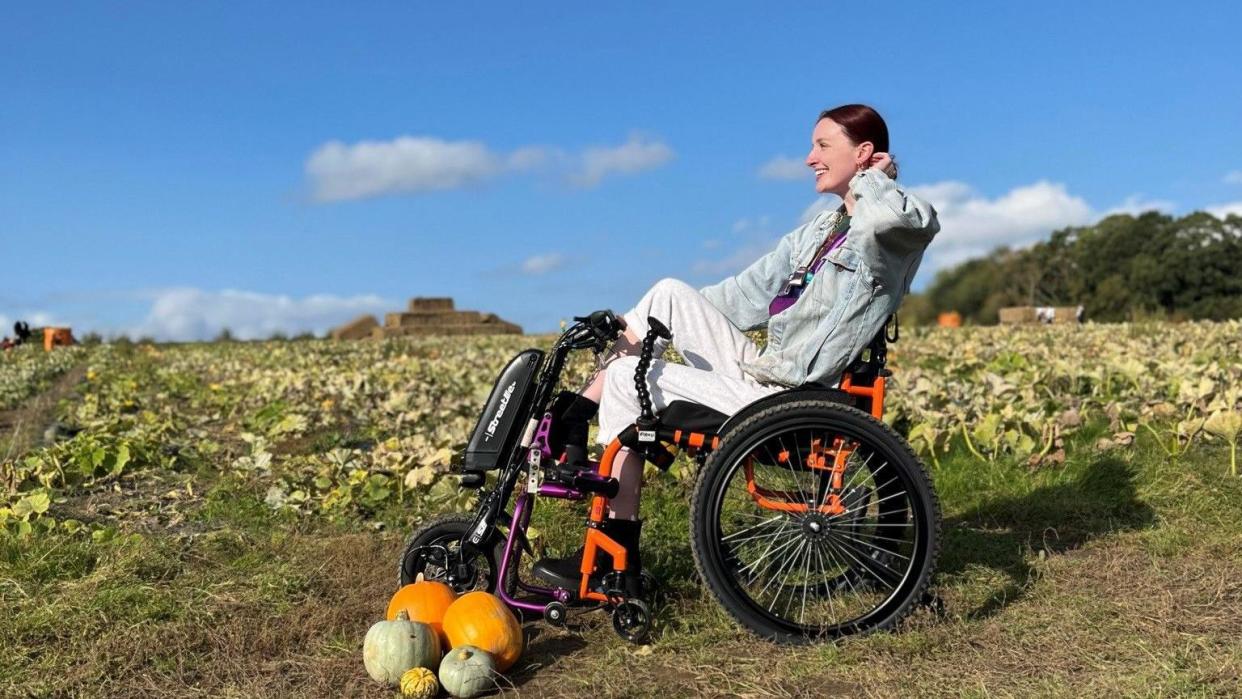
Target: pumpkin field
[{"x": 225, "y": 519}]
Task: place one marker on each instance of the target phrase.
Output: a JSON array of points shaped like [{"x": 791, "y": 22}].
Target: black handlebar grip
[{"x": 655, "y": 326}]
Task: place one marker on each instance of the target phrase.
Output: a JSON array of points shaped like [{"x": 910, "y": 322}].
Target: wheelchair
[{"x": 811, "y": 518}]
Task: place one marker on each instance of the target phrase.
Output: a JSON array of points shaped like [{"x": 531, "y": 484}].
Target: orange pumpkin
[
  {"x": 480, "y": 619},
  {"x": 424, "y": 601}
]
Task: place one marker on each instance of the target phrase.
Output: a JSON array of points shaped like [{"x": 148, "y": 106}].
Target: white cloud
[
  {"x": 1234, "y": 177},
  {"x": 542, "y": 264},
  {"x": 782, "y": 168},
  {"x": 1135, "y": 204},
  {"x": 972, "y": 225},
  {"x": 411, "y": 165},
  {"x": 530, "y": 158},
  {"x": 635, "y": 155},
  {"x": 338, "y": 171},
  {"x": 1223, "y": 210},
  {"x": 188, "y": 314}
]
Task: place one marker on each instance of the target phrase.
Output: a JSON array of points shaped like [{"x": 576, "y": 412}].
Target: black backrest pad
[{"x": 505, "y": 414}]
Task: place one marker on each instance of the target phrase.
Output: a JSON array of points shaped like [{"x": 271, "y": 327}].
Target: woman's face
[{"x": 834, "y": 158}]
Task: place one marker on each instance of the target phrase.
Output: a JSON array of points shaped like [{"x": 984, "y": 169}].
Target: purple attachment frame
[
  {"x": 555, "y": 490},
  {"x": 521, "y": 517},
  {"x": 522, "y": 508},
  {"x": 542, "y": 434}
]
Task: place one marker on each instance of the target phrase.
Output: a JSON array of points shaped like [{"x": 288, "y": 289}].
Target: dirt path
[{"x": 22, "y": 428}]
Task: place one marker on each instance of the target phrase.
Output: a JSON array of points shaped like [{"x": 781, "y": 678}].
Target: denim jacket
[{"x": 848, "y": 301}]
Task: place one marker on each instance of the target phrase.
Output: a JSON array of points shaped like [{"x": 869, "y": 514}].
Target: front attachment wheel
[
  {"x": 814, "y": 520},
  {"x": 434, "y": 550}
]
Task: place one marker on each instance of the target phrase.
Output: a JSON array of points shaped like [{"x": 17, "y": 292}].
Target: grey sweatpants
[{"x": 711, "y": 345}]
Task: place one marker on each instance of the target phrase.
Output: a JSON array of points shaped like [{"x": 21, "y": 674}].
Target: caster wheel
[
  {"x": 555, "y": 614},
  {"x": 632, "y": 620}
]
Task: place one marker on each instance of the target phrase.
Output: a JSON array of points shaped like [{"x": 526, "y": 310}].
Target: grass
[{"x": 1115, "y": 574}]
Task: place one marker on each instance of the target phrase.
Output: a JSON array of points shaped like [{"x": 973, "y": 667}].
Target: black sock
[{"x": 571, "y": 424}]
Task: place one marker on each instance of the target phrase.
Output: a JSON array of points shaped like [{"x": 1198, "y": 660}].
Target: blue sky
[{"x": 172, "y": 168}]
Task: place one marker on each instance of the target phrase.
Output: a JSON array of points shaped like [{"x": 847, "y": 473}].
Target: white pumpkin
[
  {"x": 392, "y": 647},
  {"x": 467, "y": 672}
]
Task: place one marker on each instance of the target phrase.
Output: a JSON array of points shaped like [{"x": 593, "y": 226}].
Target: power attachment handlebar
[
  {"x": 655, "y": 329},
  {"x": 596, "y": 331}
]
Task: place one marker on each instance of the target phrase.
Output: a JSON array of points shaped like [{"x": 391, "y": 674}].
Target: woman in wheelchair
[
  {"x": 810, "y": 517},
  {"x": 825, "y": 291}
]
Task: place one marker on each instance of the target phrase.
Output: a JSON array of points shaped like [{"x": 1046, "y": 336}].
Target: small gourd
[
  {"x": 481, "y": 620},
  {"x": 392, "y": 647},
  {"x": 467, "y": 672},
  {"x": 419, "y": 683}
]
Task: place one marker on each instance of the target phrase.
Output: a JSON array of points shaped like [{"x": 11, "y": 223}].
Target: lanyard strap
[{"x": 830, "y": 241}]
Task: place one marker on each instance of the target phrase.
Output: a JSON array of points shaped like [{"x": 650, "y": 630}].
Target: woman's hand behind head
[{"x": 884, "y": 163}]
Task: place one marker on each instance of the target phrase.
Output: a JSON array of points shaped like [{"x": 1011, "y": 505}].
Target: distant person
[{"x": 825, "y": 291}]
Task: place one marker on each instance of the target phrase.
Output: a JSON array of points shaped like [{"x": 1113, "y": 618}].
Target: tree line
[{"x": 1122, "y": 268}]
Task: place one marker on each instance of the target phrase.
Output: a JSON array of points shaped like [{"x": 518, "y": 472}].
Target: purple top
[{"x": 787, "y": 299}]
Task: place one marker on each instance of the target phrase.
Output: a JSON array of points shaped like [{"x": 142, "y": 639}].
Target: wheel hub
[{"x": 815, "y": 525}]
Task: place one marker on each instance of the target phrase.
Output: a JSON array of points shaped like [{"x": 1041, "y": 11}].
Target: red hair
[{"x": 860, "y": 123}]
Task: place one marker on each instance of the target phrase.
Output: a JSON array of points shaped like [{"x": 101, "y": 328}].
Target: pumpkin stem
[{"x": 403, "y": 615}]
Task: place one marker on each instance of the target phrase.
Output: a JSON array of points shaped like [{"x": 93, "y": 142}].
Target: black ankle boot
[
  {"x": 571, "y": 418},
  {"x": 567, "y": 572},
  {"x": 627, "y": 533}
]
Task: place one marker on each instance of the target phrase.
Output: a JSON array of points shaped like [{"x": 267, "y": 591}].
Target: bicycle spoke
[
  {"x": 777, "y": 575},
  {"x": 752, "y": 527},
  {"x": 870, "y": 545},
  {"x": 888, "y": 575},
  {"x": 806, "y": 582},
  {"x": 829, "y": 551},
  {"x": 828, "y": 592},
  {"x": 755, "y": 537},
  {"x": 876, "y": 537},
  {"x": 768, "y": 550},
  {"x": 877, "y": 502}
]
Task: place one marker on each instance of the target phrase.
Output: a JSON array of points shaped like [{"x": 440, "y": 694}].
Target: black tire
[
  {"x": 441, "y": 536},
  {"x": 863, "y": 558}
]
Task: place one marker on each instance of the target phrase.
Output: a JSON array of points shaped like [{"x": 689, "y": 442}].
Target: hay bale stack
[
  {"x": 405, "y": 320},
  {"x": 421, "y": 304},
  {"x": 1016, "y": 315},
  {"x": 1023, "y": 315},
  {"x": 1067, "y": 314},
  {"x": 356, "y": 329},
  {"x": 437, "y": 316}
]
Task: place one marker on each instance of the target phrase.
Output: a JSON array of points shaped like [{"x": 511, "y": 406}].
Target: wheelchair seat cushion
[{"x": 692, "y": 417}]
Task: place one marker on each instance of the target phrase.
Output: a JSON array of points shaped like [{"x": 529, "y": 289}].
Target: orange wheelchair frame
[{"x": 698, "y": 444}]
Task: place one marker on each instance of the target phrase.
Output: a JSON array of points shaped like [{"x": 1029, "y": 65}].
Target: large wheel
[
  {"x": 814, "y": 520},
  {"x": 434, "y": 549}
]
